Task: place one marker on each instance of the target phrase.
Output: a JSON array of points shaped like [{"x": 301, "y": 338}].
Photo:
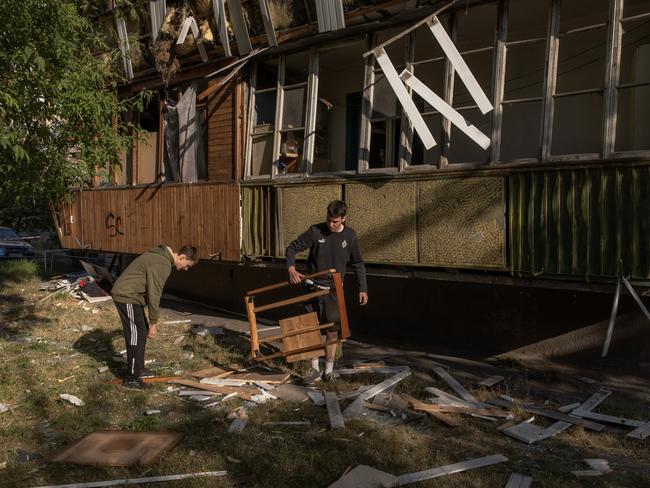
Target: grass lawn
[{"x": 48, "y": 348}]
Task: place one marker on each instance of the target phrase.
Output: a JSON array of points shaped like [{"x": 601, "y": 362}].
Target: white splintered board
[
  {"x": 450, "y": 469},
  {"x": 239, "y": 27},
  {"x": 405, "y": 99},
  {"x": 460, "y": 65},
  {"x": 446, "y": 110},
  {"x": 334, "y": 411},
  {"x": 268, "y": 23},
  {"x": 220, "y": 18}
]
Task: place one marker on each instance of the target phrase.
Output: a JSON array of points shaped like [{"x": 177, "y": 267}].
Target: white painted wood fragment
[
  {"x": 102, "y": 369},
  {"x": 173, "y": 322},
  {"x": 641, "y": 432},
  {"x": 598, "y": 464},
  {"x": 152, "y": 412},
  {"x": 72, "y": 399},
  {"x": 354, "y": 393},
  {"x": 355, "y": 408},
  {"x": 568, "y": 408},
  {"x": 334, "y": 411},
  {"x": 373, "y": 370},
  {"x": 491, "y": 381},
  {"x": 316, "y": 397},
  {"x": 593, "y": 401},
  {"x": 450, "y": 469},
  {"x": 239, "y": 27},
  {"x": 268, "y": 23},
  {"x": 222, "y": 382},
  {"x": 446, "y": 110},
  {"x": 196, "y": 392},
  {"x": 139, "y": 481},
  {"x": 263, "y": 397},
  {"x": 456, "y": 386},
  {"x": 222, "y": 28},
  {"x": 610, "y": 419},
  {"x": 457, "y": 61},
  {"x": 519, "y": 481},
  {"x": 200, "y": 398},
  {"x": 405, "y": 99},
  {"x": 237, "y": 426}
]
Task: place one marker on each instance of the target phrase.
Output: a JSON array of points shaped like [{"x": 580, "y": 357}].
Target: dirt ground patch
[{"x": 56, "y": 346}]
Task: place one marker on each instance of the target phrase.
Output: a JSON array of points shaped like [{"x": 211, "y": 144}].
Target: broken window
[
  {"x": 580, "y": 81},
  {"x": 524, "y": 80},
  {"x": 293, "y": 112},
  {"x": 633, "y": 90},
  {"x": 338, "y": 115},
  {"x": 147, "y": 152},
  {"x": 264, "y": 94}
]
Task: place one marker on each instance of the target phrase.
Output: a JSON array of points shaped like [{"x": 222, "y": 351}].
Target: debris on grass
[{"x": 72, "y": 399}]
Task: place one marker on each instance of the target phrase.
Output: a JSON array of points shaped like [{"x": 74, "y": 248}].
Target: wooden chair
[{"x": 300, "y": 335}]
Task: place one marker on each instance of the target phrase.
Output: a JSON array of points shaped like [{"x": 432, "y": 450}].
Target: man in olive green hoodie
[{"x": 141, "y": 284}]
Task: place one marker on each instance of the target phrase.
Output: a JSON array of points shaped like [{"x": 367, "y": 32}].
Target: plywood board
[
  {"x": 299, "y": 341},
  {"x": 384, "y": 217},
  {"x": 462, "y": 222},
  {"x": 118, "y": 448}
]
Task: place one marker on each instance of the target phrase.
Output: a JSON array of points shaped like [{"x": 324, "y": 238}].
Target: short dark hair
[
  {"x": 337, "y": 208},
  {"x": 189, "y": 252}
]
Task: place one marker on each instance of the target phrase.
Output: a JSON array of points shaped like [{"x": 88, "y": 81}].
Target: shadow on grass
[{"x": 98, "y": 344}]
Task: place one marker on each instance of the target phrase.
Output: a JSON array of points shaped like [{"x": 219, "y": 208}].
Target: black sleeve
[
  {"x": 304, "y": 241},
  {"x": 356, "y": 261}
]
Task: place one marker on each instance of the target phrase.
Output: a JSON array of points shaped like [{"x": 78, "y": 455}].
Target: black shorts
[{"x": 327, "y": 309}]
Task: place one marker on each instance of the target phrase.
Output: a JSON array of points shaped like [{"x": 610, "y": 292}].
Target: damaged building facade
[{"x": 264, "y": 111}]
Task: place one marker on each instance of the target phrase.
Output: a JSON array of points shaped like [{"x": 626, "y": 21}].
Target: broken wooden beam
[
  {"x": 640, "y": 432},
  {"x": 450, "y": 421},
  {"x": 565, "y": 418},
  {"x": 354, "y": 409},
  {"x": 456, "y": 386}
]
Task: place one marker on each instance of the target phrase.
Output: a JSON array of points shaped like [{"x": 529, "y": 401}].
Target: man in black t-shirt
[{"x": 332, "y": 245}]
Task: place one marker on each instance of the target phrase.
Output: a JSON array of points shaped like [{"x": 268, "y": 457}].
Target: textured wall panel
[
  {"x": 462, "y": 222},
  {"x": 302, "y": 206},
  {"x": 385, "y": 219}
]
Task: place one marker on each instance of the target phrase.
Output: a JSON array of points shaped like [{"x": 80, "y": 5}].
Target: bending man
[
  {"x": 142, "y": 284},
  {"x": 332, "y": 245}
]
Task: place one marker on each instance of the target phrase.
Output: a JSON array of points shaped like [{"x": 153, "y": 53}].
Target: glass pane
[
  {"x": 635, "y": 52},
  {"x": 635, "y": 7},
  {"x": 339, "y": 109},
  {"x": 462, "y": 149},
  {"x": 633, "y": 121},
  {"x": 267, "y": 74},
  {"x": 296, "y": 68},
  {"x": 294, "y": 107},
  {"x": 291, "y": 145},
  {"x": 581, "y": 13},
  {"x": 426, "y": 46},
  {"x": 476, "y": 27},
  {"x": 262, "y": 154},
  {"x": 583, "y": 111},
  {"x": 525, "y": 71},
  {"x": 581, "y": 63},
  {"x": 481, "y": 66},
  {"x": 433, "y": 76},
  {"x": 432, "y": 156},
  {"x": 384, "y": 143},
  {"x": 527, "y": 20},
  {"x": 384, "y": 99},
  {"x": 520, "y": 130},
  {"x": 264, "y": 118}
]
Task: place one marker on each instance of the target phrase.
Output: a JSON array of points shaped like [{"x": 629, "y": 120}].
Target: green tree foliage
[{"x": 59, "y": 107}]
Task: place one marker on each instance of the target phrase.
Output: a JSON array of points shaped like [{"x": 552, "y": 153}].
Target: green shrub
[{"x": 18, "y": 271}]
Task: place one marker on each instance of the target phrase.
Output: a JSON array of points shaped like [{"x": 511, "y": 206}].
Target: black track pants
[{"x": 136, "y": 328}]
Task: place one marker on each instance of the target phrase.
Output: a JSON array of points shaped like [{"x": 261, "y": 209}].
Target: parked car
[{"x": 11, "y": 244}]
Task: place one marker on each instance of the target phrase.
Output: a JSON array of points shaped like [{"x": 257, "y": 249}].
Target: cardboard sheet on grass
[{"x": 118, "y": 448}]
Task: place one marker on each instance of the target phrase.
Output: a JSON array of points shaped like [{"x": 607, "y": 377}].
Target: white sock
[
  {"x": 314, "y": 364},
  {"x": 329, "y": 367}
]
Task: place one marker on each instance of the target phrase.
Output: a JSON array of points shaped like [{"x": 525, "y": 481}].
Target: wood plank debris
[
  {"x": 565, "y": 418},
  {"x": 238, "y": 424},
  {"x": 355, "y": 408},
  {"x": 528, "y": 433},
  {"x": 610, "y": 419},
  {"x": 246, "y": 392},
  {"x": 72, "y": 399},
  {"x": 569, "y": 407},
  {"x": 448, "y": 397},
  {"x": 491, "y": 381},
  {"x": 450, "y": 421},
  {"x": 365, "y": 477},
  {"x": 598, "y": 468},
  {"x": 641, "y": 432},
  {"x": 238, "y": 24},
  {"x": 289, "y": 392},
  {"x": 219, "y": 10},
  {"x": 140, "y": 481},
  {"x": 488, "y": 412},
  {"x": 293, "y": 423},
  {"x": 334, "y": 411},
  {"x": 354, "y": 393},
  {"x": 118, "y": 448},
  {"x": 451, "y": 468},
  {"x": 373, "y": 370},
  {"x": 213, "y": 372},
  {"x": 593, "y": 401},
  {"x": 269, "y": 29},
  {"x": 316, "y": 397},
  {"x": 519, "y": 481},
  {"x": 455, "y": 385}
]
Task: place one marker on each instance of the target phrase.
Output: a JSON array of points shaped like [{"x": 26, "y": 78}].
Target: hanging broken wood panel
[
  {"x": 134, "y": 220},
  {"x": 222, "y": 132}
]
